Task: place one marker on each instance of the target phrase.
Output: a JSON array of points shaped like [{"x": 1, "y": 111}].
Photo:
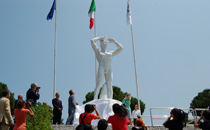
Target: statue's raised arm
[
  {"x": 119, "y": 46},
  {"x": 94, "y": 43}
]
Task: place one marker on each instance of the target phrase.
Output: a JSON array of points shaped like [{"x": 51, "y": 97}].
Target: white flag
[{"x": 128, "y": 18}]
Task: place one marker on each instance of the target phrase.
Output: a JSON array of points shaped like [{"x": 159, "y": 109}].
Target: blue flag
[{"x": 50, "y": 15}]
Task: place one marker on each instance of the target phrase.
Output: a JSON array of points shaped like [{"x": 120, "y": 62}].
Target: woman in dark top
[{"x": 174, "y": 122}]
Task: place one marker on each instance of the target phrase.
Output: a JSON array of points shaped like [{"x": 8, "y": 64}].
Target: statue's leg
[
  {"x": 103, "y": 94},
  {"x": 99, "y": 80},
  {"x": 109, "y": 79}
]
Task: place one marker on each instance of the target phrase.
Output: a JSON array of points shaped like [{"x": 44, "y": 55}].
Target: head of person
[
  {"x": 206, "y": 115},
  {"x": 103, "y": 45},
  {"x": 176, "y": 113},
  {"x": 120, "y": 110},
  {"x": 139, "y": 122},
  {"x": 128, "y": 96},
  {"x": 57, "y": 95},
  {"x": 102, "y": 124},
  {"x": 34, "y": 86},
  {"x": 116, "y": 108},
  {"x": 20, "y": 104},
  {"x": 6, "y": 93},
  {"x": 44, "y": 103},
  {"x": 89, "y": 108},
  {"x": 136, "y": 107},
  {"x": 71, "y": 92},
  {"x": 20, "y": 97}
]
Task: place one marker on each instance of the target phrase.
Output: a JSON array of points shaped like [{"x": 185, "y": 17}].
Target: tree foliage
[
  {"x": 89, "y": 96},
  {"x": 202, "y": 100},
  {"x": 12, "y": 99},
  {"x": 42, "y": 118},
  {"x": 134, "y": 101},
  {"x": 117, "y": 95}
]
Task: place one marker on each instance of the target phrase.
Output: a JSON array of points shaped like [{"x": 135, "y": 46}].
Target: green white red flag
[{"x": 91, "y": 13}]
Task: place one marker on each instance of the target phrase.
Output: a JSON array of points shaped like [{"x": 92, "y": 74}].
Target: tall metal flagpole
[
  {"x": 95, "y": 36},
  {"x": 55, "y": 50},
  {"x": 134, "y": 56},
  {"x": 137, "y": 87}
]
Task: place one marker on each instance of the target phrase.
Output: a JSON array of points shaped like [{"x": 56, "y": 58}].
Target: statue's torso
[{"x": 105, "y": 60}]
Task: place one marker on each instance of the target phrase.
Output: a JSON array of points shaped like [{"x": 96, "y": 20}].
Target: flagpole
[
  {"x": 137, "y": 87},
  {"x": 134, "y": 56},
  {"x": 55, "y": 49},
  {"x": 95, "y": 55}
]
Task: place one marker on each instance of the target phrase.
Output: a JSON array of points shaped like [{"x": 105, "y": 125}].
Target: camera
[
  {"x": 37, "y": 88},
  {"x": 92, "y": 106}
]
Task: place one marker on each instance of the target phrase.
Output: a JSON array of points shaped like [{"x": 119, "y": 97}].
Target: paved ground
[{"x": 73, "y": 127}]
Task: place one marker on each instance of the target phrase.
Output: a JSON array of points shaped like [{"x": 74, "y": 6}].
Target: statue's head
[{"x": 103, "y": 44}]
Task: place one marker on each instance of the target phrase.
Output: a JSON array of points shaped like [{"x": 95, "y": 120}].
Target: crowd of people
[
  {"x": 22, "y": 108},
  {"x": 119, "y": 121}
]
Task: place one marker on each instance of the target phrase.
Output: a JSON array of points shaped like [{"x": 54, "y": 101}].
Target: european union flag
[{"x": 50, "y": 15}]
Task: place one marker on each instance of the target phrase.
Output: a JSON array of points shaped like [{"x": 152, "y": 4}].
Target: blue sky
[{"x": 171, "y": 42}]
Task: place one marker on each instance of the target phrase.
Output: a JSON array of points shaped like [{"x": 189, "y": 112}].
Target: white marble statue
[{"x": 104, "y": 69}]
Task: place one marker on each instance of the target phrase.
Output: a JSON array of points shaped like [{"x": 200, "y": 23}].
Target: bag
[
  {"x": 83, "y": 126},
  {"x": 184, "y": 117},
  {"x": 123, "y": 111}
]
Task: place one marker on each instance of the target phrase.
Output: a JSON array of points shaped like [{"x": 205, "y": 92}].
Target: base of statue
[{"x": 103, "y": 106}]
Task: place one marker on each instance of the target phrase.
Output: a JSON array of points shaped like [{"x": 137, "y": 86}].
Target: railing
[
  {"x": 199, "y": 109},
  {"x": 191, "y": 119}
]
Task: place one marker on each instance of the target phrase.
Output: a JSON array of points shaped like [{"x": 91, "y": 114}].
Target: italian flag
[{"x": 91, "y": 13}]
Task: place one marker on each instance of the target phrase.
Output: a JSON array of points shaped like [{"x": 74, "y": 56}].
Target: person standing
[
  {"x": 118, "y": 123},
  {"x": 174, "y": 122},
  {"x": 21, "y": 114},
  {"x": 139, "y": 125},
  {"x": 87, "y": 116},
  {"x": 102, "y": 124},
  {"x": 5, "y": 113},
  {"x": 57, "y": 110},
  {"x": 44, "y": 103},
  {"x": 20, "y": 97},
  {"x": 71, "y": 107},
  {"x": 127, "y": 102},
  {"x": 33, "y": 93},
  {"x": 135, "y": 114},
  {"x": 205, "y": 125}
]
